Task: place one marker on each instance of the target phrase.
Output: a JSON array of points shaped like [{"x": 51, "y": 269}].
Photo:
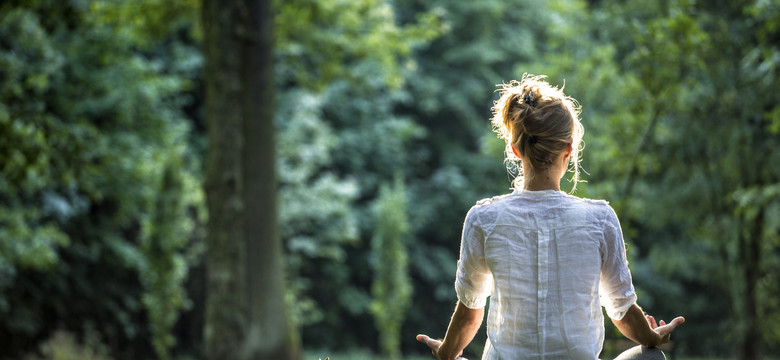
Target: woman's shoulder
[
  {"x": 600, "y": 209},
  {"x": 587, "y": 201},
  {"x": 491, "y": 200},
  {"x": 487, "y": 205}
]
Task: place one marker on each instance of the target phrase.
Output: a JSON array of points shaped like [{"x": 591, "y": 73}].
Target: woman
[{"x": 548, "y": 260}]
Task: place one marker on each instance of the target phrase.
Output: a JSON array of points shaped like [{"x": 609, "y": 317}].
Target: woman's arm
[
  {"x": 463, "y": 326},
  {"x": 643, "y": 329}
]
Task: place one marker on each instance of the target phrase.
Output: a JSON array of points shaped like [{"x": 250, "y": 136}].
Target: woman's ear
[
  {"x": 569, "y": 149},
  {"x": 517, "y": 153}
]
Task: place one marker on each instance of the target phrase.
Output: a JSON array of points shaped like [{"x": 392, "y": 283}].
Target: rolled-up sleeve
[
  {"x": 616, "y": 290},
  {"x": 474, "y": 281}
]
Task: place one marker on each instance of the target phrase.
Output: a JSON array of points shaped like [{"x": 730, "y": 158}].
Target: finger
[
  {"x": 674, "y": 323},
  {"x": 677, "y": 321},
  {"x": 651, "y": 321},
  {"x": 425, "y": 339},
  {"x": 668, "y": 328},
  {"x": 432, "y": 343}
]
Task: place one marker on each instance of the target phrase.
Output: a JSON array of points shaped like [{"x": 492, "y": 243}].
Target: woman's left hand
[
  {"x": 432, "y": 343},
  {"x": 435, "y": 345},
  {"x": 463, "y": 326}
]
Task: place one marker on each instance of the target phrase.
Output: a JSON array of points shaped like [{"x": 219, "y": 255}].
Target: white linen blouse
[{"x": 549, "y": 261}]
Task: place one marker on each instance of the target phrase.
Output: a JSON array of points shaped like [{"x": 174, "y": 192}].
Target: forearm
[
  {"x": 634, "y": 326},
  {"x": 463, "y": 327}
]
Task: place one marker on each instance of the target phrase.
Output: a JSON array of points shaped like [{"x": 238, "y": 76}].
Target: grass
[
  {"x": 353, "y": 355},
  {"x": 367, "y": 355}
]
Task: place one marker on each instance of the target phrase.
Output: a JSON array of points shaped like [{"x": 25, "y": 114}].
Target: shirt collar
[{"x": 537, "y": 193}]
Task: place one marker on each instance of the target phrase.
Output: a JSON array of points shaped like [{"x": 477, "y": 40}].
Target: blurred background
[{"x": 383, "y": 143}]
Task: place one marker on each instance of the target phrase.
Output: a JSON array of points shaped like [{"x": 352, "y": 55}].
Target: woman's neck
[
  {"x": 541, "y": 181},
  {"x": 547, "y": 179}
]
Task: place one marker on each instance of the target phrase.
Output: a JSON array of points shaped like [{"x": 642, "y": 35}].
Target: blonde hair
[{"x": 541, "y": 122}]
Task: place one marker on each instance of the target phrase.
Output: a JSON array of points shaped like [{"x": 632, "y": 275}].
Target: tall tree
[{"x": 246, "y": 315}]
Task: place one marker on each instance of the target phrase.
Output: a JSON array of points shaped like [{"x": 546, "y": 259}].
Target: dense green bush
[{"x": 99, "y": 192}]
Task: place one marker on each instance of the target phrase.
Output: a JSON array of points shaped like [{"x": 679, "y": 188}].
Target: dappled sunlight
[{"x": 177, "y": 178}]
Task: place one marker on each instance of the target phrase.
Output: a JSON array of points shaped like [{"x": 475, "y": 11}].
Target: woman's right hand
[{"x": 643, "y": 329}]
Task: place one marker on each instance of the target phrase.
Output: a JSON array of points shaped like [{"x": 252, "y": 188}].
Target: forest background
[{"x": 383, "y": 144}]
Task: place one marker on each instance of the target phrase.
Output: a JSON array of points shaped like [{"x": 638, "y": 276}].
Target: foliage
[
  {"x": 64, "y": 346},
  {"x": 318, "y": 41},
  {"x": 391, "y": 288},
  {"x": 165, "y": 265},
  {"x": 148, "y": 23},
  {"x": 100, "y": 122},
  {"x": 315, "y": 215},
  {"x": 339, "y": 139},
  {"x": 366, "y": 145},
  {"x": 97, "y": 183}
]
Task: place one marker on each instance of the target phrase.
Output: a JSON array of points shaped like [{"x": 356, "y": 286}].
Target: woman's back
[
  {"x": 549, "y": 260},
  {"x": 546, "y": 251}
]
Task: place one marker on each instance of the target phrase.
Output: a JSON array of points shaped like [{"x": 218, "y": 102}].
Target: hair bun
[
  {"x": 538, "y": 123},
  {"x": 528, "y": 99}
]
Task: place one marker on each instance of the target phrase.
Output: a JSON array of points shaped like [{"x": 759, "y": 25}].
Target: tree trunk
[
  {"x": 225, "y": 322},
  {"x": 246, "y": 316},
  {"x": 270, "y": 333}
]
